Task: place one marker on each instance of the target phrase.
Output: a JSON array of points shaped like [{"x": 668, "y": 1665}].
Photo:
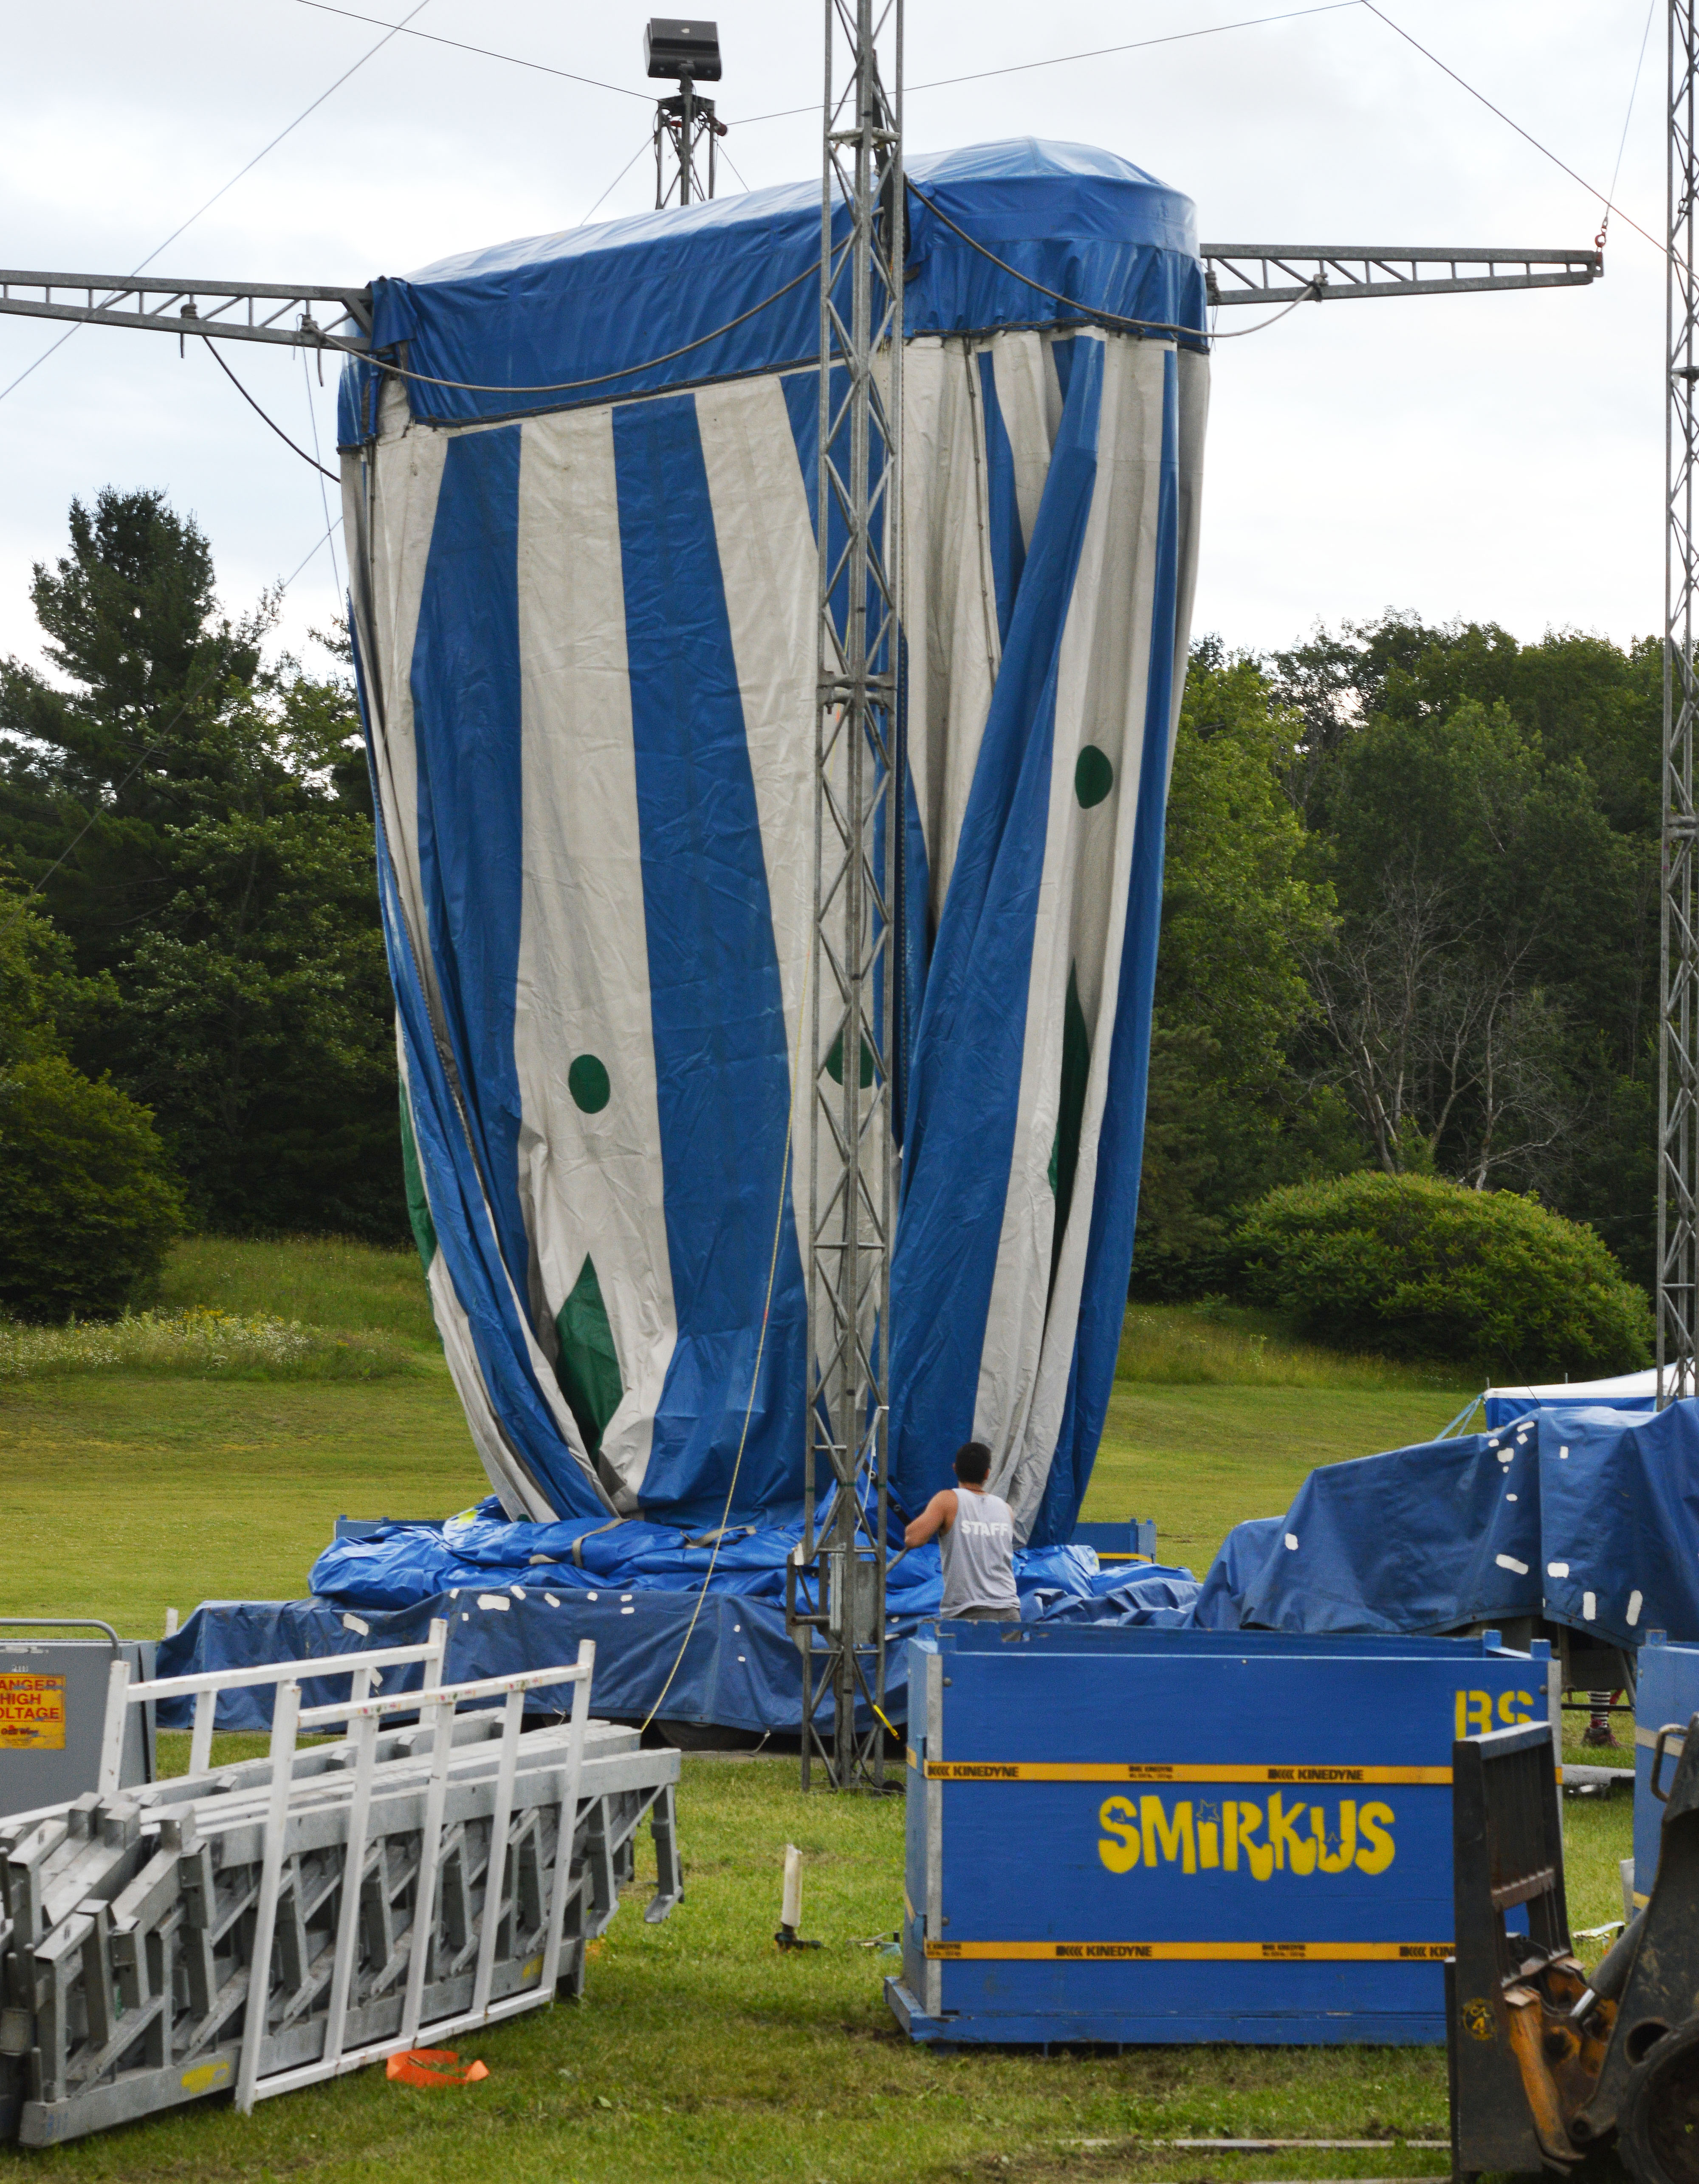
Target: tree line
[
  {"x": 1409, "y": 924},
  {"x": 1410, "y": 914}
]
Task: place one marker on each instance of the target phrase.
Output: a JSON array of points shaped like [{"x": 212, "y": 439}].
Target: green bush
[
  {"x": 87, "y": 1205},
  {"x": 1413, "y": 1267}
]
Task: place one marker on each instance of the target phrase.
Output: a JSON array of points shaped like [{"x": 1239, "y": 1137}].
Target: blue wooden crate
[
  {"x": 1667, "y": 1690},
  {"x": 1142, "y": 1835}
]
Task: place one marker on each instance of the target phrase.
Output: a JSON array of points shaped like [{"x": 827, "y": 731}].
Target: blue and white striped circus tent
[{"x": 584, "y": 602}]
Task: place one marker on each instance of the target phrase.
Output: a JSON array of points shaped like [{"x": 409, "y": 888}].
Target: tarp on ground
[
  {"x": 583, "y": 614},
  {"x": 400, "y": 1564},
  {"x": 718, "y": 1657},
  {"x": 1588, "y": 1517}
]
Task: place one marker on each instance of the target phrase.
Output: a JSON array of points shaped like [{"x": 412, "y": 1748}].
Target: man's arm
[{"x": 939, "y": 1513}]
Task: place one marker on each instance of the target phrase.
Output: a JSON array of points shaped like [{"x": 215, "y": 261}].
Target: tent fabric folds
[{"x": 585, "y": 633}]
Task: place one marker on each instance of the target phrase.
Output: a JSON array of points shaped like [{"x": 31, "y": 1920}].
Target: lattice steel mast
[
  {"x": 855, "y": 965},
  {"x": 1678, "y": 1062}
]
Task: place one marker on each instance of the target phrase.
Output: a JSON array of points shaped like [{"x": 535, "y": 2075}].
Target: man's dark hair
[{"x": 973, "y": 1463}]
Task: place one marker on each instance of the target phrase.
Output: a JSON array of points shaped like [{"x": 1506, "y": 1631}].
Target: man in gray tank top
[{"x": 975, "y": 1535}]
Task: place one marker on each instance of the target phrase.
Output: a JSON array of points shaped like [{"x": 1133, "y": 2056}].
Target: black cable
[
  {"x": 1085, "y": 310},
  {"x": 809, "y": 272},
  {"x": 259, "y": 412}
]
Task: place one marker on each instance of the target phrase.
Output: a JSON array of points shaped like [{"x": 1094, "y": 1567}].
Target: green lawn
[{"x": 699, "y": 2052}]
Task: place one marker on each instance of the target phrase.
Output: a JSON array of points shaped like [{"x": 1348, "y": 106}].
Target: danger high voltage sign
[{"x": 32, "y": 1712}]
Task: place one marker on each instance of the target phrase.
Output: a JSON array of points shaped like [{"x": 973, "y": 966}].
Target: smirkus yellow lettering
[
  {"x": 1290, "y": 1848},
  {"x": 1173, "y": 1839},
  {"x": 1342, "y": 1859},
  {"x": 1243, "y": 1820},
  {"x": 1377, "y": 1851},
  {"x": 1118, "y": 1845}
]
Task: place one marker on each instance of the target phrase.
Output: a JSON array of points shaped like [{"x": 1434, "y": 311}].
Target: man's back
[{"x": 978, "y": 1552}]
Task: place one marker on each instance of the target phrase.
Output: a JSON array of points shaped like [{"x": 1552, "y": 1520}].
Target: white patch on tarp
[
  {"x": 492, "y": 1600},
  {"x": 1636, "y": 1601},
  {"x": 1510, "y": 1563},
  {"x": 357, "y": 1623},
  {"x": 1557, "y": 1570},
  {"x": 1292, "y": 1542}
]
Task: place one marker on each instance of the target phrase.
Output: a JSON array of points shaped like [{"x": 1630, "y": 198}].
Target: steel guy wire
[
  {"x": 394, "y": 31},
  {"x": 324, "y": 498}
]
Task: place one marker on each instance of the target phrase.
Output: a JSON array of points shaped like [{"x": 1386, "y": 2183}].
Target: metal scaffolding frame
[
  {"x": 683, "y": 124},
  {"x": 855, "y": 1007},
  {"x": 1330, "y": 273},
  {"x": 1677, "y": 1042}
]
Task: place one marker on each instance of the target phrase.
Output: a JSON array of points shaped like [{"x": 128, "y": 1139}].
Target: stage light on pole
[{"x": 688, "y": 53}]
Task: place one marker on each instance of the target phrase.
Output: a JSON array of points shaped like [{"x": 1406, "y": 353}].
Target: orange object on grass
[{"x": 433, "y": 2066}]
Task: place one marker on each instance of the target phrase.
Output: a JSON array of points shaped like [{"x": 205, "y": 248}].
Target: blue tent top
[{"x": 553, "y": 321}]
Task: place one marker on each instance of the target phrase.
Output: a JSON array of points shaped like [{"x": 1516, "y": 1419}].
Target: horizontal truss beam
[
  {"x": 234, "y": 310},
  {"x": 1252, "y": 272}
]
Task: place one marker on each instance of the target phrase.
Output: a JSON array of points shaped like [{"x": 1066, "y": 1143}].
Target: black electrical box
[{"x": 673, "y": 47}]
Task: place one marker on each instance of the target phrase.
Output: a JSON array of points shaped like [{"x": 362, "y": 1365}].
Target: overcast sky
[{"x": 1494, "y": 457}]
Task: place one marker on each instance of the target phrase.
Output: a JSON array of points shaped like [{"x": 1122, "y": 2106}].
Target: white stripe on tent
[
  {"x": 591, "y": 1183},
  {"x": 1028, "y": 395},
  {"x": 949, "y": 593},
  {"x": 767, "y": 567}
]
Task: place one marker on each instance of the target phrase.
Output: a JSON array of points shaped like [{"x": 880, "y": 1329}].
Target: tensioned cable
[
  {"x": 393, "y": 31},
  {"x": 1623, "y": 144},
  {"x": 617, "y": 180},
  {"x": 485, "y": 53},
  {"x": 270, "y": 421},
  {"x": 761, "y": 1344},
  {"x": 1544, "y": 150},
  {"x": 788, "y": 112},
  {"x": 324, "y": 498}
]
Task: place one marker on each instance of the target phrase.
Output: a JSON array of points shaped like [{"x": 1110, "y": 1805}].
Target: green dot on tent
[
  {"x": 1093, "y": 776},
  {"x": 835, "y": 1062},
  {"x": 587, "y": 1082}
]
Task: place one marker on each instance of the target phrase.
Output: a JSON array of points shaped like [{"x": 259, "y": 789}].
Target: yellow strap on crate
[{"x": 1311, "y": 1952}]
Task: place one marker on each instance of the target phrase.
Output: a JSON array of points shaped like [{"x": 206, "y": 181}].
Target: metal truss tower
[
  {"x": 837, "y": 1588},
  {"x": 1678, "y": 1056}
]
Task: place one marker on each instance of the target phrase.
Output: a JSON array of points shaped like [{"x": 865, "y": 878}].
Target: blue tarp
[
  {"x": 510, "y": 1607},
  {"x": 590, "y": 303},
  {"x": 1587, "y": 1517}
]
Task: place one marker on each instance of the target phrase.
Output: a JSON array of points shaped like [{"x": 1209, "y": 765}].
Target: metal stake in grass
[{"x": 791, "y": 1911}]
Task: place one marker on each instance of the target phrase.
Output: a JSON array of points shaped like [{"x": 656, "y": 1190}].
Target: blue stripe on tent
[
  {"x": 1120, "y": 1147},
  {"x": 1008, "y": 547},
  {"x": 465, "y": 679},
  {"x": 722, "y": 1063},
  {"x": 968, "y": 1043},
  {"x": 465, "y": 1236}
]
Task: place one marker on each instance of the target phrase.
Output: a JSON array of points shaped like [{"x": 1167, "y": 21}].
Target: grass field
[{"x": 698, "y": 2051}]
